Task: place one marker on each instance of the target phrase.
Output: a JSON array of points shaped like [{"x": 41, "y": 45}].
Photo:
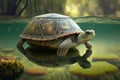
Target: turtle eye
[{"x": 88, "y": 33}]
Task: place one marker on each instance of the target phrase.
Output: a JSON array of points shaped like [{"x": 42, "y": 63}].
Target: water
[{"x": 106, "y": 41}]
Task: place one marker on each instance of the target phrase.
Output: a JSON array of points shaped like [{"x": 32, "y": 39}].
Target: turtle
[{"x": 55, "y": 31}]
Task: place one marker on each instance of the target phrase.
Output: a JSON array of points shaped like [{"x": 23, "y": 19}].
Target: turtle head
[{"x": 86, "y": 36}]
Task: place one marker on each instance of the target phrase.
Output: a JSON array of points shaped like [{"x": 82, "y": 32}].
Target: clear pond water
[{"x": 106, "y": 41}]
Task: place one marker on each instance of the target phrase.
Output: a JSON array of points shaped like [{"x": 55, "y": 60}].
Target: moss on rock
[
  {"x": 97, "y": 69},
  {"x": 10, "y": 68},
  {"x": 104, "y": 56}
]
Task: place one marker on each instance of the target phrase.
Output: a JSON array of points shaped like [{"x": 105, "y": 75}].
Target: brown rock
[{"x": 35, "y": 71}]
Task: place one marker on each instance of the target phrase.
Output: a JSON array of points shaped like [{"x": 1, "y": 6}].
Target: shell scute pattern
[{"x": 48, "y": 27}]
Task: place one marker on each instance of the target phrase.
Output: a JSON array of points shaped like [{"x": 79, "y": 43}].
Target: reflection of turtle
[
  {"x": 54, "y": 31},
  {"x": 47, "y": 57}
]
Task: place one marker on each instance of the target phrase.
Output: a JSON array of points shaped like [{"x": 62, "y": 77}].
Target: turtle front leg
[
  {"x": 64, "y": 47},
  {"x": 88, "y": 45},
  {"x": 82, "y": 61},
  {"x": 20, "y": 46},
  {"x": 89, "y": 49}
]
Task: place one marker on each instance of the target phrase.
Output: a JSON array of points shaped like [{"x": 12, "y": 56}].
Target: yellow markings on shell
[
  {"x": 35, "y": 28},
  {"x": 65, "y": 25},
  {"x": 48, "y": 26}
]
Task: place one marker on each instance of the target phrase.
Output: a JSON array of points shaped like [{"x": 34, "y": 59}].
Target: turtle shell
[{"x": 49, "y": 27}]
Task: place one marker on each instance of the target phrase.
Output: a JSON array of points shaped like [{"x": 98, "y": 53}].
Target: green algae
[
  {"x": 10, "y": 68},
  {"x": 97, "y": 69},
  {"x": 104, "y": 56}
]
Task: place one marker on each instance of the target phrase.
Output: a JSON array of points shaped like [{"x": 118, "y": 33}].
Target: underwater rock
[
  {"x": 10, "y": 68},
  {"x": 111, "y": 58},
  {"x": 48, "y": 57},
  {"x": 7, "y": 50},
  {"x": 34, "y": 71},
  {"x": 106, "y": 57},
  {"x": 98, "y": 69}
]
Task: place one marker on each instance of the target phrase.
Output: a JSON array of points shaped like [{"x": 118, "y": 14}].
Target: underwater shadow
[{"x": 48, "y": 58}]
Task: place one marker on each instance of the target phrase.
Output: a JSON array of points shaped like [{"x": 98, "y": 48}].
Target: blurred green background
[{"x": 73, "y": 8}]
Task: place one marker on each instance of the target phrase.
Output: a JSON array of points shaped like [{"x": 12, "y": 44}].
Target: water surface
[{"x": 107, "y": 39}]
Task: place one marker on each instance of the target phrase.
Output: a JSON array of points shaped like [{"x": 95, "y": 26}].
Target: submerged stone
[
  {"x": 34, "y": 71},
  {"x": 7, "y": 50},
  {"x": 98, "y": 69},
  {"x": 10, "y": 68},
  {"x": 104, "y": 56},
  {"x": 111, "y": 58}
]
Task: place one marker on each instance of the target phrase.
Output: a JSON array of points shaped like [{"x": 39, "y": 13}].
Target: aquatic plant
[
  {"x": 97, "y": 69},
  {"x": 10, "y": 68}
]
